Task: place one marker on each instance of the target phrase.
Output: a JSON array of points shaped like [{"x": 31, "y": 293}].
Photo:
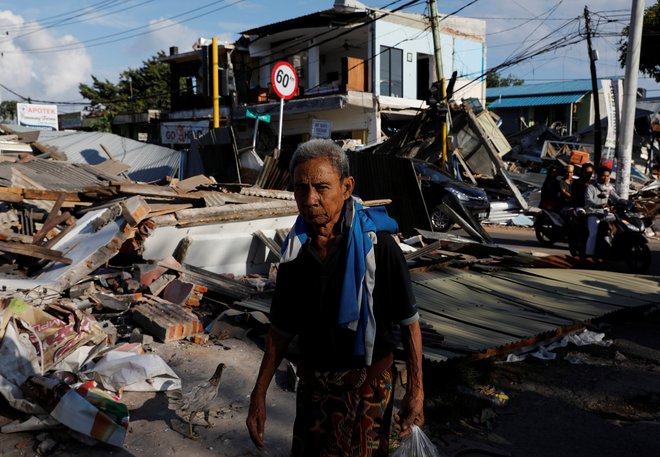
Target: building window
[{"x": 391, "y": 71}]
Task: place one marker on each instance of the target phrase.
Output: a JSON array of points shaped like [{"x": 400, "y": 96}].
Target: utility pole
[
  {"x": 435, "y": 27},
  {"x": 629, "y": 98},
  {"x": 215, "y": 82},
  {"x": 598, "y": 135}
]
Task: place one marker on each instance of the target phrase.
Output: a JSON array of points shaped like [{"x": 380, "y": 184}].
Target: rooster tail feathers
[{"x": 174, "y": 399}]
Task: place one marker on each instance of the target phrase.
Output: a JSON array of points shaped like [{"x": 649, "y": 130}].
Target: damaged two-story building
[{"x": 362, "y": 72}]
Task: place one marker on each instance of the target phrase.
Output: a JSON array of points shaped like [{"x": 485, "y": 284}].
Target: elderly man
[{"x": 342, "y": 284}]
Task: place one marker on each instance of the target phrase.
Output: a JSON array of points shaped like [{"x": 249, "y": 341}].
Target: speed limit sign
[{"x": 285, "y": 80}]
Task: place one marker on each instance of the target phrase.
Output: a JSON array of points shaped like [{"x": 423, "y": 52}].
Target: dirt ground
[{"x": 607, "y": 405}]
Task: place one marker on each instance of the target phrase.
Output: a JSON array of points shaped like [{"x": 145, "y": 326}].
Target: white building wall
[
  {"x": 464, "y": 52},
  {"x": 411, "y": 41}
]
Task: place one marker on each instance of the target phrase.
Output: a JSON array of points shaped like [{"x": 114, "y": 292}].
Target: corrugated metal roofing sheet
[
  {"x": 52, "y": 175},
  {"x": 537, "y": 100},
  {"x": 475, "y": 312},
  {"x": 558, "y": 87},
  {"x": 148, "y": 162}
]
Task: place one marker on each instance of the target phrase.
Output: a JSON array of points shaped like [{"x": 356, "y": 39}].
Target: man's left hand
[{"x": 411, "y": 412}]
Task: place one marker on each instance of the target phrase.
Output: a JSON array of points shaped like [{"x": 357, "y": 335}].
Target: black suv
[{"x": 438, "y": 187}]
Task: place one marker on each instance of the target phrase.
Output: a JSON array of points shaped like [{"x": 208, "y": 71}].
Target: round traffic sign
[{"x": 284, "y": 79}]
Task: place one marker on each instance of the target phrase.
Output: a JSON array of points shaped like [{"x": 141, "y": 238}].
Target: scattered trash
[{"x": 584, "y": 338}]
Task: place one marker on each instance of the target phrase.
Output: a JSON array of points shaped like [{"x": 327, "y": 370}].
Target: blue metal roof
[
  {"x": 539, "y": 100},
  {"x": 558, "y": 87}
]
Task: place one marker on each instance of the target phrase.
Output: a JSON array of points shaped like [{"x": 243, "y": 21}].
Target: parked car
[{"x": 438, "y": 187}]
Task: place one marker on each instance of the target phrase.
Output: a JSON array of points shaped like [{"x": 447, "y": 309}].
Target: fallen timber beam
[
  {"x": 31, "y": 250},
  {"x": 269, "y": 242},
  {"x": 213, "y": 281},
  {"x": 148, "y": 190}
]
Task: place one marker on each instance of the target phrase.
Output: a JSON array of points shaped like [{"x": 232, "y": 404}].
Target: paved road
[{"x": 522, "y": 239}]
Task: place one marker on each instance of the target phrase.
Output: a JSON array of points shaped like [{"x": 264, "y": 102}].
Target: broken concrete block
[
  {"x": 147, "y": 273},
  {"x": 160, "y": 283},
  {"x": 82, "y": 289},
  {"x": 167, "y": 321},
  {"x": 138, "y": 337},
  {"x": 134, "y": 210},
  {"x": 135, "y": 348},
  {"x": 111, "y": 331},
  {"x": 184, "y": 293},
  {"x": 199, "y": 339}
]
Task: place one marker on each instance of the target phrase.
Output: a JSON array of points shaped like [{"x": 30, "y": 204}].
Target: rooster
[{"x": 198, "y": 399}]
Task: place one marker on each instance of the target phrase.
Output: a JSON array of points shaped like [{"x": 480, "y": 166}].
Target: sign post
[
  {"x": 285, "y": 85},
  {"x": 257, "y": 117}
]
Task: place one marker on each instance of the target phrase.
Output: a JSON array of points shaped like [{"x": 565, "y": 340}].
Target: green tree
[
  {"x": 138, "y": 90},
  {"x": 649, "y": 58},
  {"x": 495, "y": 80},
  {"x": 8, "y": 110}
]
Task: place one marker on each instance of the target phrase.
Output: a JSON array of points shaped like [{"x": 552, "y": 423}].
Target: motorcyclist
[
  {"x": 565, "y": 185},
  {"x": 579, "y": 186},
  {"x": 597, "y": 198},
  {"x": 550, "y": 190}
]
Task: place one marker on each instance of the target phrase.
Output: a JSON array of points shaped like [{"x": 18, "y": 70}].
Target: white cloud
[
  {"x": 41, "y": 75},
  {"x": 164, "y": 33}
]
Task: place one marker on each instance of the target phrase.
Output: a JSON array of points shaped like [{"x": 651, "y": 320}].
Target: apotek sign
[
  {"x": 39, "y": 116},
  {"x": 182, "y": 132}
]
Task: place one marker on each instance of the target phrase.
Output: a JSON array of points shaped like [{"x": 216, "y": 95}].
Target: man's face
[
  {"x": 320, "y": 193},
  {"x": 604, "y": 177},
  {"x": 587, "y": 173}
]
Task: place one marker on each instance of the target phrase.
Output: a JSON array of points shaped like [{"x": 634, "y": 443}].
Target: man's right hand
[{"x": 256, "y": 419}]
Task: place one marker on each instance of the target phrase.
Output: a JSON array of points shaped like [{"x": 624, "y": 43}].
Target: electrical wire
[
  {"x": 98, "y": 41},
  {"x": 71, "y": 21}
]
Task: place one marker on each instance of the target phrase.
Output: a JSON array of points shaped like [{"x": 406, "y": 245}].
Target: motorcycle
[
  {"x": 620, "y": 237},
  {"x": 552, "y": 227}
]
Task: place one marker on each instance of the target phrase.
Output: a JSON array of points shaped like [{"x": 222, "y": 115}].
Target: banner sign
[
  {"x": 612, "y": 92},
  {"x": 321, "y": 129},
  {"x": 39, "y": 116},
  {"x": 182, "y": 132}
]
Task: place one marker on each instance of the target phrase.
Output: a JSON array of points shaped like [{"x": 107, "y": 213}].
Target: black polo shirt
[{"x": 306, "y": 303}]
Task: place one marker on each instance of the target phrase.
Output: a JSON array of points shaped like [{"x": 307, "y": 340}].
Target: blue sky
[{"x": 47, "y": 48}]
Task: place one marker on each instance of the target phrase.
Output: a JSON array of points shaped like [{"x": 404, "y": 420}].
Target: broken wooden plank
[
  {"x": 192, "y": 183},
  {"x": 199, "y": 216},
  {"x": 123, "y": 173},
  {"x": 67, "y": 228},
  {"x": 31, "y": 250},
  {"x": 459, "y": 156},
  {"x": 213, "y": 281},
  {"x": 269, "y": 242},
  {"x": 158, "y": 209},
  {"x": 148, "y": 190},
  {"x": 49, "y": 225},
  {"x": 52, "y": 195}
]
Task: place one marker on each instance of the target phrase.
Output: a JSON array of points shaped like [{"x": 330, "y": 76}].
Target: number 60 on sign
[{"x": 285, "y": 80}]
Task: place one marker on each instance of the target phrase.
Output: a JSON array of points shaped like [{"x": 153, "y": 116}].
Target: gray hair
[{"x": 321, "y": 149}]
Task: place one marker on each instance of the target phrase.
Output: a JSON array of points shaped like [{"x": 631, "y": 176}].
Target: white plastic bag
[{"x": 416, "y": 445}]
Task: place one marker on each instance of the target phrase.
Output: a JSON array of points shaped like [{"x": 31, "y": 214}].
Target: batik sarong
[{"x": 346, "y": 414}]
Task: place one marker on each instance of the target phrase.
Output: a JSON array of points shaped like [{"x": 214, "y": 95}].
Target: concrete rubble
[{"x": 94, "y": 264}]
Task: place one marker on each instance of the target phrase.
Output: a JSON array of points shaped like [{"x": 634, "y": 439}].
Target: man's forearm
[
  {"x": 412, "y": 341},
  {"x": 274, "y": 351}
]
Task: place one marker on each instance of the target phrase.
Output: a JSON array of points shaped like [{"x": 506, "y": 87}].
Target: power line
[
  {"x": 97, "y": 6},
  {"x": 70, "y": 21},
  {"x": 98, "y": 41}
]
